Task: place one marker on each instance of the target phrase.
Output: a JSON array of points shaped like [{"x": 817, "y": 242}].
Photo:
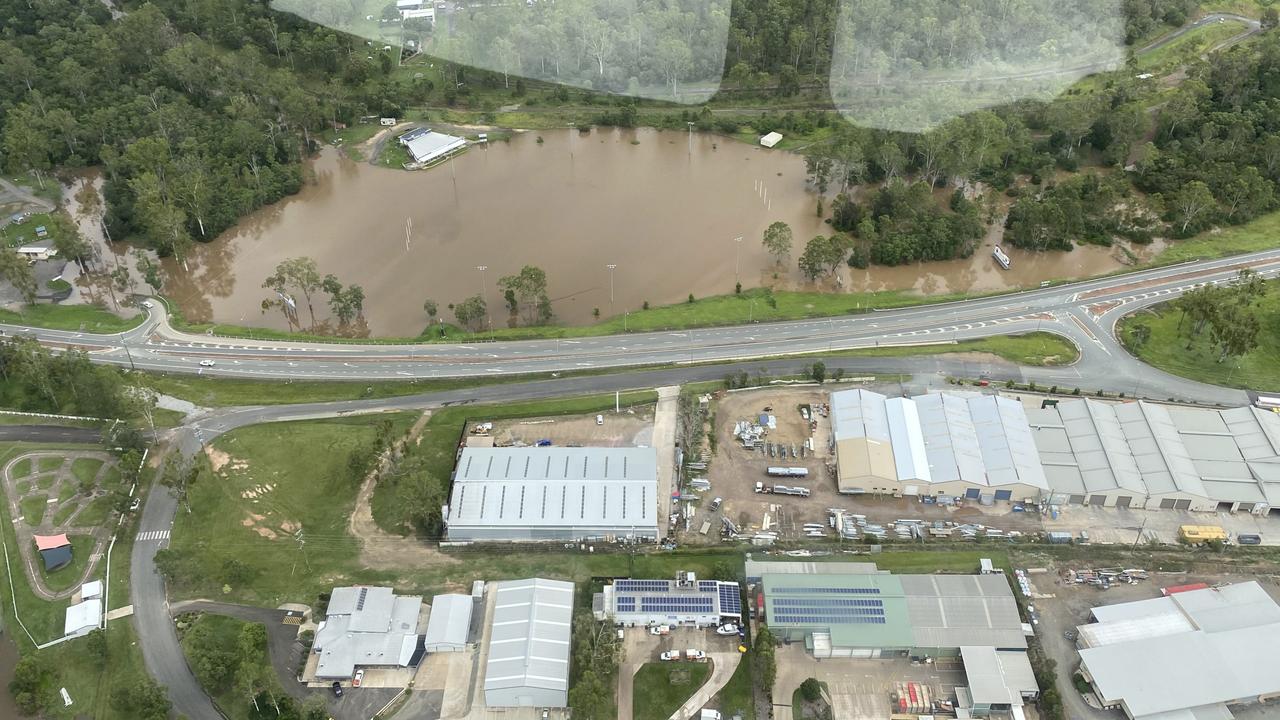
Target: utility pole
[
  {"x": 484, "y": 294},
  {"x": 1140, "y": 529},
  {"x": 737, "y": 259},
  {"x": 611, "y": 267},
  {"x": 690, "y": 138}
]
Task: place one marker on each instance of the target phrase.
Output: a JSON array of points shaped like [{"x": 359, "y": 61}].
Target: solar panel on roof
[
  {"x": 828, "y": 602},
  {"x": 730, "y": 600},
  {"x": 827, "y": 619},
  {"x": 839, "y": 590}
]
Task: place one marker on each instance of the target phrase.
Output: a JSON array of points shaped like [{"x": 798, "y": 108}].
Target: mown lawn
[
  {"x": 662, "y": 687},
  {"x": 738, "y": 696},
  {"x": 68, "y": 575},
  {"x": 1167, "y": 347},
  {"x": 33, "y": 508},
  {"x": 85, "y": 469},
  {"x": 1038, "y": 348},
  {"x": 84, "y": 318},
  {"x": 1262, "y": 233}
]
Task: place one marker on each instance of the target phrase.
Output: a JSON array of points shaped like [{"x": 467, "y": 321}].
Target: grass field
[
  {"x": 312, "y": 489},
  {"x": 1167, "y": 349},
  {"x": 439, "y": 442},
  {"x": 33, "y": 508},
  {"x": 737, "y": 695},
  {"x": 1262, "y": 233},
  {"x": 84, "y": 318},
  {"x": 1038, "y": 348},
  {"x": 213, "y": 392},
  {"x": 1189, "y": 46},
  {"x": 85, "y": 469},
  {"x": 22, "y": 468},
  {"x": 46, "y": 464},
  {"x": 661, "y": 688},
  {"x": 68, "y": 575}
]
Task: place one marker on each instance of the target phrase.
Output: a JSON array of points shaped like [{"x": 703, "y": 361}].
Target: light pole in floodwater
[
  {"x": 611, "y": 267},
  {"x": 484, "y": 294},
  {"x": 737, "y": 259},
  {"x": 690, "y": 137}
]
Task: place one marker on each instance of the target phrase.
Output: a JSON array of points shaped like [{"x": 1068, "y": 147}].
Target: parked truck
[
  {"x": 1059, "y": 538},
  {"x": 1201, "y": 534},
  {"x": 790, "y": 490},
  {"x": 788, "y": 471}
]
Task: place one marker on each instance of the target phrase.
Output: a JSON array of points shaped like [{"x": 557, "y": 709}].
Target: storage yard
[
  {"x": 774, "y": 473},
  {"x": 630, "y": 428}
]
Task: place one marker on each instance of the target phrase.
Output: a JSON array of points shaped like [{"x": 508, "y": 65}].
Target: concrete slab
[{"x": 664, "y": 441}]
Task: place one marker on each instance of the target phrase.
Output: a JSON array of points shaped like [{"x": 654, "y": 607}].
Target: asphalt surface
[{"x": 50, "y": 434}]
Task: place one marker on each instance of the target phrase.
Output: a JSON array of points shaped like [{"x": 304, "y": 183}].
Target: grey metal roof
[
  {"x": 755, "y": 569},
  {"x": 997, "y": 677},
  {"x": 366, "y": 626},
  {"x": 450, "y": 621},
  {"x": 1228, "y": 656},
  {"x": 951, "y": 441},
  {"x": 909, "y": 456},
  {"x": 859, "y": 414},
  {"x": 529, "y": 635},
  {"x": 1087, "y": 446},
  {"x": 607, "y": 488},
  {"x": 962, "y": 610}
]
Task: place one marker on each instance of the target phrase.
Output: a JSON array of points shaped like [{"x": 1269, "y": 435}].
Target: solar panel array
[
  {"x": 641, "y": 585},
  {"x": 730, "y": 600},
  {"x": 839, "y": 590},
  {"x": 675, "y": 603},
  {"x": 828, "y": 602},
  {"x": 825, "y": 619},
  {"x": 707, "y": 585},
  {"x": 627, "y": 603}
]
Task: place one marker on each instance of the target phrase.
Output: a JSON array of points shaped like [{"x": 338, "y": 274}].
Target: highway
[{"x": 1085, "y": 312}]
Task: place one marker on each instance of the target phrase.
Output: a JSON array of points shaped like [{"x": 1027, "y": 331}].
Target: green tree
[
  {"x": 17, "y": 272},
  {"x": 529, "y": 287},
  {"x": 777, "y": 240},
  {"x": 471, "y": 313},
  {"x": 430, "y": 308},
  {"x": 295, "y": 274},
  {"x": 1190, "y": 205}
]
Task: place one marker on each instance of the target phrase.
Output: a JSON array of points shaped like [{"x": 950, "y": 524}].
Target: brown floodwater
[
  {"x": 664, "y": 207},
  {"x": 8, "y": 661}
]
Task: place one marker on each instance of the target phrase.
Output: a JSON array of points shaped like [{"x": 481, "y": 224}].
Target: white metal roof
[
  {"x": 608, "y": 488},
  {"x": 909, "y": 455},
  {"x": 366, "y": 626},
  {"x": 91, "y": 590},
  {"x": 82, "y": 617},
  {"x": 529, "y": 635},
  {"x": 859, "y": 414},
  {"x": 1229, "y": 655},
  {"x": 997, "y": 677}
]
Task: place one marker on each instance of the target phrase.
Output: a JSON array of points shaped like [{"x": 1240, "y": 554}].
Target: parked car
[
  {"x": 337, "y": 688},
  {"x": 137, "y": 503},
  {"x": 694, "y": 654},
  {"x": 715, "y": 504},
  {"x": 599, "y": 419},
  {"x": 727, "y": 629},
  {"x": 659, "y": 630},
  {"x": 206, "y": 363},
  {"x": 1249, "y": 539},
  {"x": 670, "y": 655},
  {"x": 359, "y": 678},
  {"x": 148, "y": 304}
]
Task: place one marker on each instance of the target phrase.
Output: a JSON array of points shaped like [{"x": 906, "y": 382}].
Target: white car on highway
[{"x": 206, "y": 363}]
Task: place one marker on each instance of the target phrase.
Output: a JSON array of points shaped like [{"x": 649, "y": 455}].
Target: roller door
[
  {"x": 1123, "y": 502},
  {"x": 1076, "y": 500},
  {"x": 1181, "y": 504},
  {"x": 1166, "y": 504},
  {"x": 972, "y": 493},
  {"x": 1098, "y": 500},
  {"x": 1245, "y": 507},
  {"x": 1004, "y": 494}
]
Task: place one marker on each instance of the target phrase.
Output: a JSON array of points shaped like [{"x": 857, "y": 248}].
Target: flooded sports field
[{"x": 665, "y": 208}]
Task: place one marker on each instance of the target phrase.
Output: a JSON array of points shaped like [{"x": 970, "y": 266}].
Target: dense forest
[{"x": 202, "y": 110}]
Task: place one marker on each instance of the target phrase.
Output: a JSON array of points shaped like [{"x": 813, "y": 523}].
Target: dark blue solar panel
[
  {"x": 707, "y": 585},
  {"x": 675, "y": 604},
  {"x": 641, "y": 585},
  {"x": 626, "y": 603},
  {"x": 827, "y": 602},
  {"x": 838, "y": 590},
  {"x": 730, "y": 600},
  {"x": 825, "y": 619}
]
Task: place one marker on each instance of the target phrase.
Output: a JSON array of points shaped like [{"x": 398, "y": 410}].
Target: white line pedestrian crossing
[{"x": 154, "y": 535}]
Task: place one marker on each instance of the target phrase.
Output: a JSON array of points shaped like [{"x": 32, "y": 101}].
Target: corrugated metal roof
[
  {"x": 609, "y": 488},
  {"x": 450, "y": 621},
  {"x": 529, "y": 635},
  {"x": 951, "y": 441},
  {"x": 997, "y": 678},
  {"x": 1228, "y": 656},
  {"x": 859, "y": 414},
  {"x": 908, "y": 440}
]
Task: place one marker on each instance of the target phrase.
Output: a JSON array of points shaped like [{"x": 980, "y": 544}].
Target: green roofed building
[
  {"x": 854, "y": 610},
  {"x": 865, "y": 614}
]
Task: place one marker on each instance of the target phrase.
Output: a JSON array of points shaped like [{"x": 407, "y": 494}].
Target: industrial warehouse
[
  {"x": 1188, "y": 655},
  {"x": 683, "y": 601},
  {"x": 561, "y": 493},
  {"x": 1079, "y": 451},
  {"x": 528, "y": 644},
  {"x": 853, "y": 610}
]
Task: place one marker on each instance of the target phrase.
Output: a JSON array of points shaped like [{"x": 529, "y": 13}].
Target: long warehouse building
[
  {"x": 554, "y": 494},
  {"x": 1081, "y": 451}
]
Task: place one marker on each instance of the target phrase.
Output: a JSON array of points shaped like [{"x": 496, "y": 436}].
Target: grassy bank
[
  {"x": 1260, "y": 234},
  {"x": 1037, "y": 348},
  {"x": 79, "y": 318},
  {"x": 661, "y": 688},
  {"x": 1167, "y": 348}
]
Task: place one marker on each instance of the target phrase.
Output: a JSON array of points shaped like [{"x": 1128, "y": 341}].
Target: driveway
[
  {"x": 723, "y": 664},
  {"x": 638, "y": 648},
  {"x": 664, "y": 441}
]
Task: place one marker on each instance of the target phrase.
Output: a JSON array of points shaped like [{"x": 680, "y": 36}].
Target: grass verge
[
  {"x": 1262, "y": 233},
  {"x": 737, "y": 697},
  {"x": 1038, "y": 348},
  {"x": 661, "y": 688},
  {"x": 1166, "y": 348},
  {"x": 80, "y": 318}
]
